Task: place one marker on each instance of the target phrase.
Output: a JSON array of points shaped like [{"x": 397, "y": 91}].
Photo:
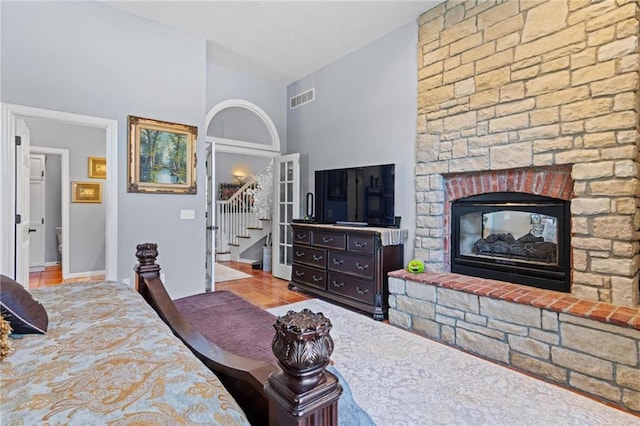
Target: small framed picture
[
  {"x": 97, "y": 167},
  {"x": 86, "y": 192}
]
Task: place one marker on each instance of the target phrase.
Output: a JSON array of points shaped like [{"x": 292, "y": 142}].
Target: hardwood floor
[
  {"x": 261, "y": 289},
  {"x": 52, "y": 275}
]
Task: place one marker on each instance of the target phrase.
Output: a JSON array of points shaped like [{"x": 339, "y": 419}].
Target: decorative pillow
[
  {"x": 5, "y": 345},
  {"x": 25, "y": 314}
]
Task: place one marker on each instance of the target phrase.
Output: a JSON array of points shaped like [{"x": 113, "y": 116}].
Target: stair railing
[{"x": 234, "y": 217}]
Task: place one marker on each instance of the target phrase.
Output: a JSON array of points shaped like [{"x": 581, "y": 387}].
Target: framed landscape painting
[{"x": 162, "y": 156}]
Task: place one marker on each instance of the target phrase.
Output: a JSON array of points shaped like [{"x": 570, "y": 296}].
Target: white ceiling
[{"x": 280, "y": 40}]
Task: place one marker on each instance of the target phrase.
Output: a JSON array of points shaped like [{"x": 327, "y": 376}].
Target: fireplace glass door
[{"x": 520, "y": 238}]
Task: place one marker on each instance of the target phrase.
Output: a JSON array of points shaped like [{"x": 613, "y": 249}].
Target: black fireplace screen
[{"x": 520, "y": 238}]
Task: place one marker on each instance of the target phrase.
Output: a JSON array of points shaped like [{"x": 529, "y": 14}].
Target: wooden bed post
[
  {"x": 147, "y": 253},
  {"x": 298, "y": 393},
  {"x": 303, "y": 393}
]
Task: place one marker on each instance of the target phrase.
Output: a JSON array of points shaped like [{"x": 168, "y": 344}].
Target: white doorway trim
[
  {"x": 244, "y": 147},
  {"x": 64, "y": 182},
  {"x": 10, "y": 113}
]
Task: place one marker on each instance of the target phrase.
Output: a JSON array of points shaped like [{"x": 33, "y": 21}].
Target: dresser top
[{"x": 388, "y": 236}]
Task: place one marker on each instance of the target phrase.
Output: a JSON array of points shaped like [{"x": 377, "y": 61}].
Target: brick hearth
[{"x": 552, "y": 301}]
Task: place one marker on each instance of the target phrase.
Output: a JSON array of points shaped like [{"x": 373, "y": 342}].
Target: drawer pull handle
[
  {"x": 362, "y": 267},
  {"x": 316, "y": 257},
  {"x": 362, "y": 292},
  {"x": 299, "y": 253},
  {"x": 361, "y": 244},
  {"x": 302, "y": 236},
  {"x": 299, "y": 274},
  {"x": 316, "y": 278},
  {"x": 327, "y": 239},
  {"x": 337, "y": 284},
  {"x": 338, "y": 262}
]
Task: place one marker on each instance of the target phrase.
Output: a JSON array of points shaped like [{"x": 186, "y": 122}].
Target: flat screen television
[{"x": 356, "y": 195}]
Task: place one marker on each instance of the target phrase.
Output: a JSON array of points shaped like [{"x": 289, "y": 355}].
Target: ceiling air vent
[{"x": 302, "y": 98}]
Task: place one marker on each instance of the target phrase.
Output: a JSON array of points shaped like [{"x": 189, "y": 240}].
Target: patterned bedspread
[{"x": 107, "y": 359}]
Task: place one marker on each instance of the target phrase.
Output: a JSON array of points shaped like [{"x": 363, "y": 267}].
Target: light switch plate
[{"x": 187, "y": 214}]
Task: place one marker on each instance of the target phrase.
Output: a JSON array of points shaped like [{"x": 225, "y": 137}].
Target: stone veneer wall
[
  {"x": 593, "y": 347},
  {"x": 532, "y": 84}
]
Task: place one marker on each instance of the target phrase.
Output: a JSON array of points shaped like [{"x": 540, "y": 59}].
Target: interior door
[
  {"x": 23, "y": 183},
  {"x": 37, "y": 187},
  {"x": 210, "y": 228},
  {"x": 286, "y": 175}
]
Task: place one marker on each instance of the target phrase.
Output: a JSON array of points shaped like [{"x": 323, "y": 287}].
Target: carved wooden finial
[
  {"x": 147, "y": 253},
  {"x": 303, "y": 347}
]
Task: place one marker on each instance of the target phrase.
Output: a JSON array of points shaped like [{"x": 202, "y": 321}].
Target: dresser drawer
[
  {"x": 328, "y": 240},
  {"x": 309, "y": 276},
  {"x": 362, "y": 266},
  {"x": 301, "y": 236},
  {"x": 355, "y": 288},
  {"x": 310, "y": 256},
  {"x": 360, "y": 244}
]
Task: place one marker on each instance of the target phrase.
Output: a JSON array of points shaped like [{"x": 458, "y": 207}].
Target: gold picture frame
[
  {"x": 86, "y": 192},
  {"x": 97, "y": 167},
  {"x": 162, "y": 157}
]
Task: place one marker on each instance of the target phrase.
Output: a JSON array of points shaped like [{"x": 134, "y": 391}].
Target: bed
[
  {"x": 107, "y": 356},
  {"x": 111, "y": 358}
]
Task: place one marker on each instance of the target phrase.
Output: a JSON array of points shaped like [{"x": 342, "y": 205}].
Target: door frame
[
  {"x": 238, "y": 147},
  {"x": 64, "y": 186},
  {"x": 10, "y": 112},
  {"x": 210, "y": 202},
  {"x": 41, "y": 232}
]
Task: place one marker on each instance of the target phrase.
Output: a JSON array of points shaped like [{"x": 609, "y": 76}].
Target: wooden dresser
[{"x": 348, "y": 265}]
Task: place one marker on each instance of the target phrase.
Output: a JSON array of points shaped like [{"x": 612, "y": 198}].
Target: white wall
[
  {"x": 224, "y": 83},
  {"x": 87, "y": 233},
  {"x": 88, "y": 58},
  {"x": 364, "y": 114}
]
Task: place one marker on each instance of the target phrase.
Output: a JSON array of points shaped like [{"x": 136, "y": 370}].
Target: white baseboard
[
  {"x": 84, "y": 274},
  {"x": 247, "y": 260},
  {"x": 56, "y": 263}
]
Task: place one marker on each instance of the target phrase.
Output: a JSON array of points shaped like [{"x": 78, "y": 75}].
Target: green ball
[{"x": 416, "y": 266}]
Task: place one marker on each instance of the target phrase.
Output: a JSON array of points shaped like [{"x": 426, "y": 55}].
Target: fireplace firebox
[{"x": 515, "y": 237}]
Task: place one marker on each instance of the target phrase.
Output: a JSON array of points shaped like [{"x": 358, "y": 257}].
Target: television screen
[{"x": 359, "y": 195}]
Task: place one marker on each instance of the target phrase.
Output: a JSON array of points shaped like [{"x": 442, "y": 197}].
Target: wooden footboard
[{"x": 297, "y": 391}]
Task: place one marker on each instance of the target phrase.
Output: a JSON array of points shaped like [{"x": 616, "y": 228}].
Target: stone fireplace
[
  {"x": 542, "y": 95},
  {"x": 537, "y": 100}
]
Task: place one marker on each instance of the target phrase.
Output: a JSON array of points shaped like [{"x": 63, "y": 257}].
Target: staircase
[{"x": 238, "y": 228}]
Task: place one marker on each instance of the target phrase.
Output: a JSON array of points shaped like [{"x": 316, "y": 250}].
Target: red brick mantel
[
  {"x": 545, "y": 299},
  {"x": 554, "y": 182}
]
